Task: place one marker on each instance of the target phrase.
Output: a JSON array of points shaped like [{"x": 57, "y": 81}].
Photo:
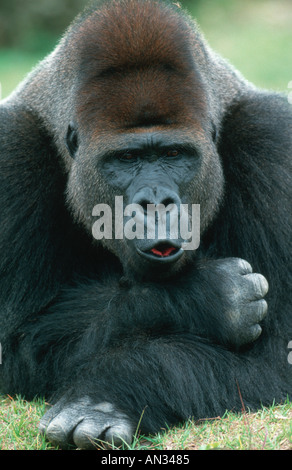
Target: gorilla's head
[{"x": 141, "y": 133}]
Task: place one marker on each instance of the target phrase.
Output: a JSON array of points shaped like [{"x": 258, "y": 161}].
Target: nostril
[
  {"x": 143, "y": 203},
  {"x": 156, "y": 196},
  {"x": 167, "y": 202}
]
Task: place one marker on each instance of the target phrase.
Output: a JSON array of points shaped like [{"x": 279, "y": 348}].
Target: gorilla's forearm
[
  {"x": 163, "y": 380},
  {"x": 224, "y": 305}
]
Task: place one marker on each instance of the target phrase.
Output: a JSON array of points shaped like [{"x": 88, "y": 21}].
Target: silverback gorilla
[{"x": 134, "y": 103}]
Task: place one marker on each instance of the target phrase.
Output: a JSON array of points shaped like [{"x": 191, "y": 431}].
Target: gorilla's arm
[
  {"x": 120, "y": 349},
  {"x": 163, "y": 380},
  {"x": 119, "y": 354},
  {"x": 37, "y": 236},
  {"x": 256, "y": 218},
  {"x": 32, "y": 218}
]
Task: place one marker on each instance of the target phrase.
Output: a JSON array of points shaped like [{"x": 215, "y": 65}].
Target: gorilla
[{"x": 120, "y": 331}]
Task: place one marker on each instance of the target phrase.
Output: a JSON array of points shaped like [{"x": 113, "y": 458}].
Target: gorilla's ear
[
  {"x": 72, "y": 139},
  {"x": 214, "y": 133}
]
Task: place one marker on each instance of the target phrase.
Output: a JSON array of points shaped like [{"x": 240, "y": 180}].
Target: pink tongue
[{"x": 165, "y": 252}]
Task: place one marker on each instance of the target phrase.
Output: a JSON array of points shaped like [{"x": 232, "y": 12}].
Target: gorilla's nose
[
  {"x": 161, "y": 208},
  {"x": 156, "y": 196}
]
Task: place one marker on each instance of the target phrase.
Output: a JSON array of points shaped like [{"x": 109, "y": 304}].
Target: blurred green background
[{"x": 254, "y": 35}]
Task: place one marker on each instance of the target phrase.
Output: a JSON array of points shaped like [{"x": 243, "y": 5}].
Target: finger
[
  {"x": 259, "y": 283},
  {"x": 256, "y": 331},
  {"x": 256, "y": 311},
  {"x": 244, "y": 267}
]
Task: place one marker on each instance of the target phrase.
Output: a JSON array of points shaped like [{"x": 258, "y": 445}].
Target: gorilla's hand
[
  {"x": 85, "y": 424},
  {"x": 242, "y": 293}
]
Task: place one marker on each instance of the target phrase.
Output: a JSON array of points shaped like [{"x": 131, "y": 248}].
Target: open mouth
[
  {"x": 163, "y": 249},
  {"x": 162, "y": 252}
]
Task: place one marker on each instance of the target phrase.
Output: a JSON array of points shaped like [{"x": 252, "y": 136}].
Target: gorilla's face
[
  {"x": 135, "y": 193},
  {"x": 142, "y": 133}
]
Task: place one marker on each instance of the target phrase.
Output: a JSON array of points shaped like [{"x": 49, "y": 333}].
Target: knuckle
[
  {"x": 263, "y": 306},
  {"x": 55, "y": 432},
  {"x": 256, "y": 331},
  {"x": 239, "y": 264},
  {"x": 264, "y": 285},
  {"x": 244, "y": 266},
  {"x": 259, "y": 284},
  {"x": 260, "y": 309}
]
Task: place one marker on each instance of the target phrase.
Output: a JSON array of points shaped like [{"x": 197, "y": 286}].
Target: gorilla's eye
[
  {"x": 172, "y": 153},
  {"x": 127, "y": 157}
]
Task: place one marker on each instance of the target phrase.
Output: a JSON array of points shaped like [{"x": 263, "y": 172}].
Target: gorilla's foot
[{"x": 86, "y": 424}]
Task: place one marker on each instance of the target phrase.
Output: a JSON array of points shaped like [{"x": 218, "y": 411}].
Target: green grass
[
  {"x": 18, "y": 424},
  {"x": 268, "y": 429}
]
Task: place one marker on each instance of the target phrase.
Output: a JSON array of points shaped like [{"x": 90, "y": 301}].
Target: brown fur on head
[{"x": 137, "y": 67}]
